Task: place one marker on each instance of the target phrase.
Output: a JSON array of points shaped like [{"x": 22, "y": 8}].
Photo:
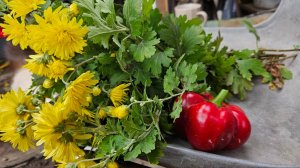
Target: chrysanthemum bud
[
  {"x": 112, "y": 165},
  {"x": 89, "y": 98},
  {"x": 96, "y": 91},
  {"x": 21, "y": 109},
  {"x": 74, "y": 9},
  {"x": 119, "y": 112},
  {"x": 48, "y": 83},
  {"x": 101, "y": 114}
]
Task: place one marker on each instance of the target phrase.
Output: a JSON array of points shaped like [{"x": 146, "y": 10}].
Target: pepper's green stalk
[{"x": 220, "y": 97}]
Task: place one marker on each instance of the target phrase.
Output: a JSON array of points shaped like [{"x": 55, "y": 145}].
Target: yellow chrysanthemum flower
[
  {"x": 20, "y": 139},
  {"x": 50, "y": 15},
  {"x": 48, "y": 123},
  {"x": 15, "y": 31},
  {"x": 78, "y": 90},
  {"x": 12, "y": 106},
  {"x": 37, "y": 32},
  {"x": 21, "y": 7},
  {"x": 112, "y": 165},
  {"x": 64, "y": 38},
  {"x": 58, "y": 69},
  {"x": 118, "y": 94},
  {"x": 119, "y": 112},
  {"x": 38, "y": 64},
  {"x": 51, "y": 129},
  {"x": 61, "y": 151},
  {"x": 81, "y": 164}
]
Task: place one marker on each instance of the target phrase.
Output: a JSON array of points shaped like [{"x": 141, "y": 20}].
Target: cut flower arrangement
[{"x": 106, "y": 76}]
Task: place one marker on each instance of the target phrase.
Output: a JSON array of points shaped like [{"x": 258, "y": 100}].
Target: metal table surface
[{"x": 275, "y": 116}]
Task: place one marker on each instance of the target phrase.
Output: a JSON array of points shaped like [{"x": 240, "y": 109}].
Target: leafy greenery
[{"x": 161, "y": 57}]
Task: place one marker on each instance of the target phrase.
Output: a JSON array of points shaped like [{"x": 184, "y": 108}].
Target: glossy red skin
[
  {"x": 209, "y": 128},
  {"x": 188, "y": 99},
  {"x": 243, "y": 127},
  {"x": 1, "y": 33}
]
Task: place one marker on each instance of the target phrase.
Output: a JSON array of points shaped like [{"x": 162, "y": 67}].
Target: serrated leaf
[
  {"x": 146, "y": 48},
  {"x": 157, "y": 61},
  {"x": 101, "y": 28},
  {"x": 201, "y": 72},
  {"x": 249, "y": 66},
  {"x": 132, "y": 11},
  {"x": 176, "y": 110},
  {"x": 118, "y": 77},
  {"x": 148, "y": 144},
  {"x": 155, "y": 154},
  {"x": 107, "y": 6},
  {"x": 243, "y": 54},
  {"x": 188, "y": 75},
  {"x": 144, "y": 146},
  {"x": 155, "y": 18},
  {"x": 191, "y": 38},
  {"x": 142, "y": 77},
  {"x": 286, "y": 73},
  {"x": 147, "y": 7},
  {"x": 171, "y": 81},
  {"x": 134, "y": 153},
  {"x": 238, "y": 85},
  {"x": 112, "y": 143}
]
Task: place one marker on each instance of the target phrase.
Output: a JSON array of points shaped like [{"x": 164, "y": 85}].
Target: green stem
[
  {"x": 220, "y": 97},
  {"x": 150, "y": 100}
]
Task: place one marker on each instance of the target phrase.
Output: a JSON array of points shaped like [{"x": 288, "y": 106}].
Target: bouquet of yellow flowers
[{"x": 105, "y": 77}]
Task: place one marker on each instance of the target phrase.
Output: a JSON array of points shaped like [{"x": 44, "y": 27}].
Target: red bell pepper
[
  {"x": 210, "y": 127},
  {"x": 243, "y": 127},
  {"x": 188, "y": 99}
]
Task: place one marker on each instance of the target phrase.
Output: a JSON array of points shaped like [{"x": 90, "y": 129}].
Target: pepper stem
[{"x": 220, "y": 97}]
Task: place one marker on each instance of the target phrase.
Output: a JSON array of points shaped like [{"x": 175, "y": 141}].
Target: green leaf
[
  {"x": 251, "y": 29},
  {"x": 101, "y": 28},
  {"x": 146, "y": 48},
  {"x": 134, "y": 153},
  {"x": 238, "y": 84},
  {"x": 171, "y": 81},
  {"x": 188, "y": 75},
  {"x": 118, "y": 77},
  {"x": 155, "y": 18},
  {"x": 144, "y": 146},
  {"x": 176, "y": 110},
  {"x": 157, "y": 61},
  {"x": 147, "y": 7},
  {"x": 249, "y": 66},
  {"x": 112, "y": 143},
  {"x": 191, "y": 38},
  {"x": 148, "y": 144},
  {"x": 243, "y": 54},
  {"x": 154, "y": 155},
  {"x": 107, "y": 6},
  {"x": 286, "y": 73},
  {"x": 172, "y": 32},
  {"x": 201, "y": 72},
  {"x": 142, "y": 77},
  {"x": 132, "y": 12}
]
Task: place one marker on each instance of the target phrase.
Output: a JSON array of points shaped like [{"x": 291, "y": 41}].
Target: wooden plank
[{"x": 163, "y": 6}]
